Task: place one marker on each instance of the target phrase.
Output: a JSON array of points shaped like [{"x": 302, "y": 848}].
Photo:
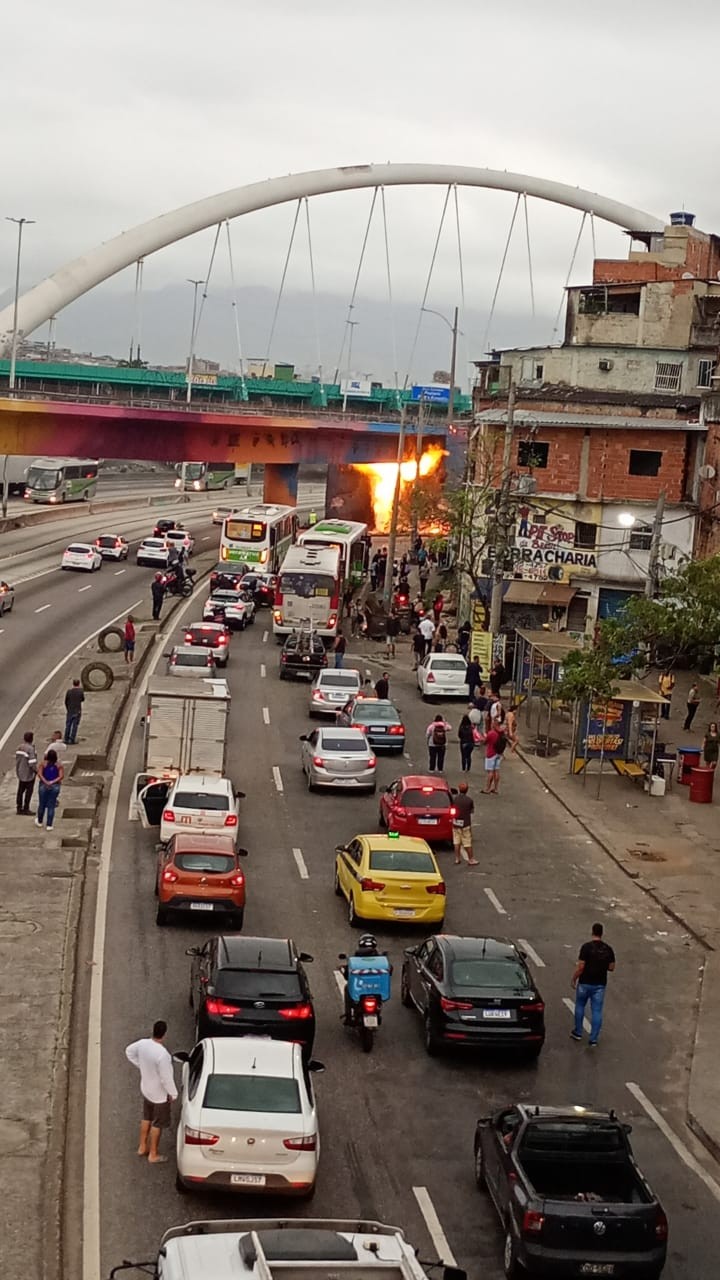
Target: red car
[{"x": 418, "y": 806}]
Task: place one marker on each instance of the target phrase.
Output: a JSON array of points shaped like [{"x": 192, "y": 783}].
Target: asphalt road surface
[{"x": 397, "y": 1126}]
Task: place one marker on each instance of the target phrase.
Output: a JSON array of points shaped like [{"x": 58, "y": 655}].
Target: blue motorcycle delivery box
[{"x": 368, "y": 976}]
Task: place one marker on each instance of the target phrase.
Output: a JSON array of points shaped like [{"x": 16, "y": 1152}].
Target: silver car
[
  {"x": 189, "y": 660},
  {"x": 330, "y": 690},
  {"x": 338, "y": 758}
]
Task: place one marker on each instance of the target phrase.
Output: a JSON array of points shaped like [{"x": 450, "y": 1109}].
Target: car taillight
[
  {"x": 332, "y": 620},
  {"x": 188, "y": 637},
  {"x": 661, "y": 1225},
  {"x": 536, "y": 1006},
  {"x": 372, "y": 762},
  {"x": 200, "y": 1138},
  {"x": 220, "y": 1007},
  {"x": 436, "y": 888},
  {"x": 429, "y": 678},
  {"x": 237, "y": 881},
  {"x": 169, "y": 875},
  {"x": 362, "y": 727},
  {"x": 168, "y": 815},
  {"x": 318, "y": 696},
  {"x": 369, "y": 1004},
  {"x": 532, "y": 1222},
  {"x": 297, "y": 1011},
  {"x": 397, "y": 728},
  {"x": 209, "y": 661},
  {"x": 453, "y": 811},
  {"x": 231, "y": 820},
  {"x": 371, "y": 886},
  {"x": 318, "y": 760},
  {"x": 301, "y": 1144},
  {"x": 450, "y": 1005}
]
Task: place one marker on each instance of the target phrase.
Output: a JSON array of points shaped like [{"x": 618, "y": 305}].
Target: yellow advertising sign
[{"x": 481, "y": 649}]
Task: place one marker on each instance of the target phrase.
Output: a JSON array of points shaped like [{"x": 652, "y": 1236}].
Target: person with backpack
[
  {"x": 436, "y": 736},
  {"x": 495, "y": 744}
]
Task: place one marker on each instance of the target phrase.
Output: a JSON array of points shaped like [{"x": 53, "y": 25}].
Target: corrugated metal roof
[{"x": 557, "y": 418}]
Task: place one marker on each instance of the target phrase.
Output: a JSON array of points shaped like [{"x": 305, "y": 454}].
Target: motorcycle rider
[{"x": 366, "y": 947}]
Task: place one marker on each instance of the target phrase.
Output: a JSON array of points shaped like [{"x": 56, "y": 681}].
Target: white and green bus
[
  {"x": 350, "y": 537},
  {"x": 200, "y": 476},
  {"x": 61, "y": 480},
  {"x": 258, "y": 536}
]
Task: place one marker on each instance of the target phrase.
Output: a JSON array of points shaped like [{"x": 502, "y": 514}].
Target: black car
[
  {"x": 262, "y": 588},
  {"x": 162, "y": 526},
  {"x": 252, "y": 986},
  {"x": 303, "y": 654},
  {"x": 474, "y": 993},
  {"x": 226, "y": 577}
]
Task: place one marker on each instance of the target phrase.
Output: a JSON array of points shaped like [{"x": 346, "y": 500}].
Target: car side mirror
[
  {"x": 306, "y": 957},
  {"x": 193, "y": 951},
  {"x": 410, "y": 951},
  {"x": 243, "y": 853},
  {"x": 340, "y": 848},
  {"x": 303, "y": 737},
  {"x": 341, "y": 955},
  {"x": 523, "y": 954},
  {"x": 627, "y": 1128},
  {"x": 241, "y": 795},
  {"x": 182, "y": 1056},
  {"x": 167, "y": 655},
  {"x": 314, "y": 1065}
]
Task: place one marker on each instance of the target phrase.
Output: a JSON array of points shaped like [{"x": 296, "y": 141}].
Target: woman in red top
[
  {"x": 129, "y": 643},
  {"x": 437, "y": 606}
]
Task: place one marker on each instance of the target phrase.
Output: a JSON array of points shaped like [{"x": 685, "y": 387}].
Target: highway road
[{"x": 396, "y": 1126}]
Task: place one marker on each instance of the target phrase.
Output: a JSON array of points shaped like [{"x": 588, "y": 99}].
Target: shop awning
[
  {"x": 557, "y": 593},
  {"x": 524, "y": 592}
]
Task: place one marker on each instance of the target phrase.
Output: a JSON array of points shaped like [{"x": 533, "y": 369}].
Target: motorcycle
[
  {"x": 367, "y": 985},
  {"x": 173, "y": 585}
]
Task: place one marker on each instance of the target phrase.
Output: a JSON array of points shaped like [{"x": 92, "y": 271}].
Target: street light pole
[
  {"x": 195, "y": 284},
  {"x": 392, "y": 538},
  {"x": 20, "y": 223},
  {"x": 453, "y": 359},
  {"x": 501, "y": 517},
  {"x": 654, "y": 556}
]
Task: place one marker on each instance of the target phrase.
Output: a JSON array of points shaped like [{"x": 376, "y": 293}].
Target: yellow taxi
[{"x": 390, "y": 877}]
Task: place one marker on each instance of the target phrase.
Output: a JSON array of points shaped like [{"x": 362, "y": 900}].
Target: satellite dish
[
  {"x": 687, "y": 275},
  {"x": 707, "y": 473}
]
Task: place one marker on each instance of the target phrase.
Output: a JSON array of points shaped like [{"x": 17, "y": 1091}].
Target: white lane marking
[
  {"x": 265, "y": 636},
  {"x": 496, "y": 902},
  {"x": 263, "y": 672},
  {"x": 266, "y": 715},
  {"x": 91, "y": 1268},
  {"x": 2, "y": 631},
  {"x": 676, "y": 1143},
  {"x": 43, "y": 607},
  {"x": 119, "y": 571},
  {"x": 340, "y": 982},
  {"x": 19, "y": 581},
  {"x": 304, "y": 873},
  {"x": 87, "y": 588},
  {"x": 277, "y": 779},
  {"x": 532, "y": 953},
  {"x": 206, "y": 538},
  {"x": 570, "y": 1004},
  {"x": 432, "y": 1222}
]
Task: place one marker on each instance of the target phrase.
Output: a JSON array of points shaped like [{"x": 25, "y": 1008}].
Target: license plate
[
  {"x": 405, "y": 913},
  {"x": 501, "y": 1015},
  {"x": 427, "y": 822},
  {"x": 201, "y": 906},
  {"x": 247, "y": 1179},
  {"x": 597, "y": 1269},
  {"x": 377, "y": 728},
  {"x": 186, "y": 819},
  {"x": 370, "y": 1020}
]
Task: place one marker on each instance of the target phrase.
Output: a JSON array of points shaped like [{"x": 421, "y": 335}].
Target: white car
[
  {"x": 181, "y": 538},
  {"x": 188, "y": 661},
  {"x": 112, "y": 546},
  {"x": 154, "y": 552},
  {"x": 442, "y": 675},
  {"x": 200, "y": 802},
  {"x": 248, "y": 1120},
  {"x": 330, "y": 691},
  {"x": 80, "y": 555},
  {"x": 338, "y": 757},
  {"x": 222, "y": 513},
  {"x": 238, "y": 607}
]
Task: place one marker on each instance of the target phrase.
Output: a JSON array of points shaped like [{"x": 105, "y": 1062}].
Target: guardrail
[{"x": 69, "y": 509}]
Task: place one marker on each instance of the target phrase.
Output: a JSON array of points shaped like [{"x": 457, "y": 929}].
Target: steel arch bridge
[{"x": 76, "y": 278}]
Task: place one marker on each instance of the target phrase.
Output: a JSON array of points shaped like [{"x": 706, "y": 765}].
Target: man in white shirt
[
  {"x": 427, "y": 631},
  {"x": 57, "y": 744},
  {"x": 157, "y": 1086}
]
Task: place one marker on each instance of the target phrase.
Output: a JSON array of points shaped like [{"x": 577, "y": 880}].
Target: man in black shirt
[
  {"x": 382, "y": 686},
  {"x": 464, "y": 807},
  {"x": 595, "y": 961}
]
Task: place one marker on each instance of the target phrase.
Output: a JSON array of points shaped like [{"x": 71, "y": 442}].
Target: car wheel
[
  {"x": 282, "y": 674},
  {"x": 161, "y": 916},
  {"x": 430, "y": 1040},
  {"x": 310, "y": 783},
  {"x": 2, "y": 608},
  {"x": 381, "y": 818},
  {"x": 533, "y": 1053},
  {"x": 405, "y": 997},
  {"x": 236, "y": 921},
  {"x": 180, "y": 1186},
  {"x": 513, "y": 1268},
  {"x": 336, "y": 882},
  {"x": 480, "y": 1168},
  {"x": 251, "y": 620},
  {"x": 308, "y": 1195},
  {"x": 353, "y": 918},
  {"x": 190, "y": 998},
  {"x": 243, "y": 624}
]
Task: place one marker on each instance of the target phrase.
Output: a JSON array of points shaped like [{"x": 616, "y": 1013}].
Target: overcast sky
[{"x": 115, "y": 113}]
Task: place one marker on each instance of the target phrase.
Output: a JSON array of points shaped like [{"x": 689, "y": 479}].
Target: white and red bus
[{"x": 309, "y": 591}]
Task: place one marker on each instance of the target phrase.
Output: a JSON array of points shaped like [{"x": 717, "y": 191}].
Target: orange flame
[{"x": 383, "y": 476}]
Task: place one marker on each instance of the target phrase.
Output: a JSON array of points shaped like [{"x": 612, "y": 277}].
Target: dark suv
[
  {"x": 303, "y": 654},
  {"x": 226, "y": 577},
  {"x": 163, "y": 526},
  {"x": 243, "y": 986}
]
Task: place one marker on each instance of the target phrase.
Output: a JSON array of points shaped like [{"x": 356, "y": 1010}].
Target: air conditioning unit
[
  {"x": 605, "y": 365},
  {"x": 525, "y": 484}
]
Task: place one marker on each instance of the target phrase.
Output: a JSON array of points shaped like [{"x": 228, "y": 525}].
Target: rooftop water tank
[{"x": 682, "y": 219}]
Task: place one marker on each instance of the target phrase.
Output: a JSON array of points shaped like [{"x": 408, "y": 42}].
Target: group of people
[
  {"x": 711, "y": 738},
  {"x": 485, "y": 723},
  {"x": 48, "y": 771}
]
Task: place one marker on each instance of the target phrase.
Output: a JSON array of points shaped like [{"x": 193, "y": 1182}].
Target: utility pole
[
  {"x": 501, "y": 517},
  {"x": 453, "y": 361},
  {"x": 20, "y": 223},
  {"x": 651, "y": 582},
  {"x": 196, "y": 285},
  {"x": 392, "y": 539}
]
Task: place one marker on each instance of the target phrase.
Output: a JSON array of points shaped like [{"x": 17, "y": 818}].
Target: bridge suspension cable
[
  {"x": 573, "y": 255},
  {"x": 314, "y": 297},
  {"x": 135, "y": 335},
  {"x": 491, "y": 313},
  {"x": 282, "y": 284},
  {"x": 529, "y": 255},
  {"x": 390, "y": 291},
  {"x": 427, "y": 287},
  {"x": 349, "y": 321},
  {"x": 206, "y": 283},
  {"x": 234, "y": 305},
  {"x": 461, "y": 272}
]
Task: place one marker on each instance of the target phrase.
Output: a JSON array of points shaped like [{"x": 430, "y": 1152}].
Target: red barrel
[
  {"x": 689, "y": 760},
  {"x": 701, "y": 785}
]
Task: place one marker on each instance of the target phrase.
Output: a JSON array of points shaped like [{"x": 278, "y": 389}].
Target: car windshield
[
  {"x": 337, "y": 680},
  {"x": 374, "y": 712},
  {"x": 215, "y": 864},
  {"x": 489, "y": 973},
  {"x": 405, "y": 860},
  {"x": 448, "y": 664},
  {"x": 198, "y": 659},
  {"x": 344, "y": 745},
  {"x": 425, "y": 798},
  {"x": 199, "y": 800},
  {"x": 78, "y": 549},
  {"x": 252, "y": 1093},
  {"x": 254, "y": 984}
]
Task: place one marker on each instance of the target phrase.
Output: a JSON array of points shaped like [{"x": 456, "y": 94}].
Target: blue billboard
[{"x": 431, "y": 395}]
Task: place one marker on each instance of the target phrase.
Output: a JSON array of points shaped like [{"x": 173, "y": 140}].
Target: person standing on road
[
  {"x": 436, "y": 737},
  {"x": 466, "y": 738},
  {"x": 666, "y": 684},
  {"x": 693, "y": 702},
  {"x": 495, "y": 744},
  {"x": 26, "y": 761},
  {"x": 473, "y": 673},
  {"x": 382, "y": 685},
  {"x": 427, "y": 631},
  {"x": 497, "y": 678},
  {"x": 339, "y": 648},
  {"x": 438, "y": 605},
  {"x": 129, "y": 639},
  {"x": 56, "y": 742},
  {"x": 74, "y": 699},
  {"x": 595, "y": 961},
  {"x": 392, "y": 631},
  {"x": 464, "y": 807},
  {"x": 157, "y": 591},
  {"x": 423, "y": 576},
  {"x": 711, "y": 746},
  {"x": 158, "y": 1089},
  {"x": 418, "y": 648},
  {"x": 50, "y": 777}
]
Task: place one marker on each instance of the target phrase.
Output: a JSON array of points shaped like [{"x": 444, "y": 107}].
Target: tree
[{"x": 684, "y": 618}]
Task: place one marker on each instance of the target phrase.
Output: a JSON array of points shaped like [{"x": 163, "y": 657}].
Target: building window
[
  {"x": 667, "y": 376},
  {"x": 644, "y": 462},
  {"x": 706, "y": 369},
  {"x": 640, "y": 537},
  {"x": 539, "y": 371},
  {"x": 532, "y": 453},
  {"x": 585, "y": 534}
]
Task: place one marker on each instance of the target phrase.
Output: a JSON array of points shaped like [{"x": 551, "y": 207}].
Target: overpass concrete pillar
[{"x": 281, "y": 483}]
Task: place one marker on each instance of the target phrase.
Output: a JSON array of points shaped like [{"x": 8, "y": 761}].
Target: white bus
[
  {"x": 258, "y": 536},
  {"x": 61, "y": 480},
  {"x": 309, "y": 590},
  {"x": 201, "y": 476},
  {"x": 352, "y": 539}
]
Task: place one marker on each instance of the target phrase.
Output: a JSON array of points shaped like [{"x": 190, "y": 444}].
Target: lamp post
[
  {"x": 626, "y": 520},
  {"x": 196, "y": 285},
  {"x": 453, "y": 352},
  {"x": 19, "y": 223}
]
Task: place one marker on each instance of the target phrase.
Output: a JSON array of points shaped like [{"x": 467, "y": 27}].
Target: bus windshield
[
  {"x": 194, "y": 470},
  {"x": 246, "y": 530},
  {"x": 41, "y": 478},
  {"x": 307, "y": 586}
]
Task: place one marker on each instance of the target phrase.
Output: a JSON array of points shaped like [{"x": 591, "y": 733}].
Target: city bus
[
  {"x": 61, "y": 479},
  {"x": 350, "y": 537},
  {"x": 258, "y": 536},
  {"x": 309, "y": 591},
  {"x": 200, "y": 476}
]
